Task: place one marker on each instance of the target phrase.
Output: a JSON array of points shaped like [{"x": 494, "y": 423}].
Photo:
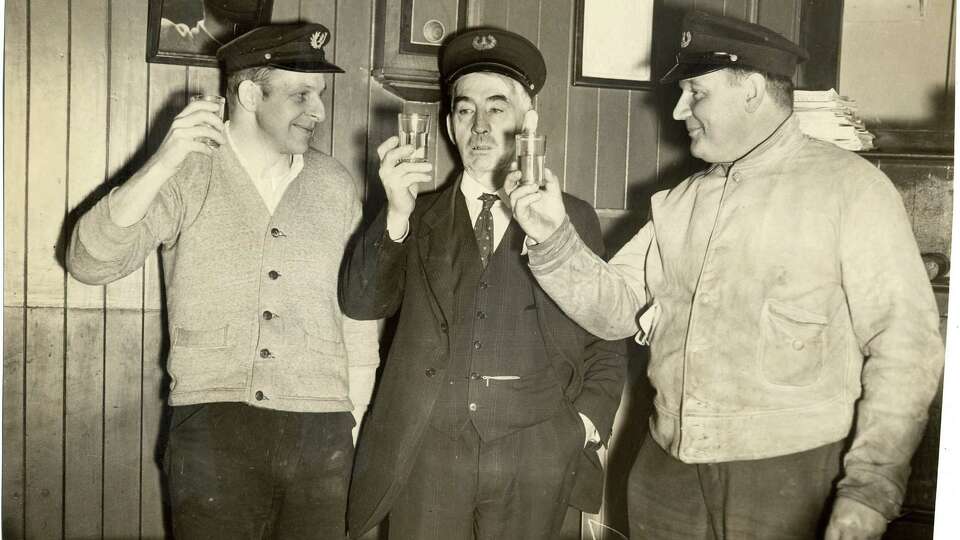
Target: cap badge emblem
[
  {"x": 484, "y": 43},
  {"x": 685, "y": 39},
  {"x": 319, "y": 39}
]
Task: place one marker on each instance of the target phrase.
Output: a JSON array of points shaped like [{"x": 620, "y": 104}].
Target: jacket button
[
  {"x": 273, "y": 274},
  {"x": 797, "y": 345},
  {"x": 483, "y": 284},
  {"x": 259, "y": 395},
  {"x": 474, "y": 376},
  {"x": 477, "y": 345},
  {"x": 430, "y": 372},
  {"x": 473, "y": 407},
  {"x": 275, "y": 232},
  {"x": 443, "y": 327},
  {"x": 481, "y": 315},
  {"x": 264, "y": 353},
  {"x": 267, "y": 315}
]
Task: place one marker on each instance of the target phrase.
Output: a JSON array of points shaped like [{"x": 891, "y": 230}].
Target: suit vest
[{"x": 501, "y": 375}]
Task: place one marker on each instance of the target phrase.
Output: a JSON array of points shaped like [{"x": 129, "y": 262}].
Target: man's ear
[
  {"x": 249, "y": 95},
  {"x": 450, "y": 130},
  {"x": 755, "y": 90}
]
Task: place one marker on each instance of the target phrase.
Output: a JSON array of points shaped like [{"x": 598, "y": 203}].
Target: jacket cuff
[
  {"x": 555, "y": 250},
  {"x": 873, "y": 490}
]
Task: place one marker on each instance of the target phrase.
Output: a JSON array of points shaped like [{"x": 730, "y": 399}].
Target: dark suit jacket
[{"x": 379, "y": 276}]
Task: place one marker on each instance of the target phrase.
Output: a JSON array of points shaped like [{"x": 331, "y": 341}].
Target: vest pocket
[{"x": 792, "y": 344}]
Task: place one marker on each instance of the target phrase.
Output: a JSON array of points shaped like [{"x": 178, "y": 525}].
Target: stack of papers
[{"x": 828, "y": 116}]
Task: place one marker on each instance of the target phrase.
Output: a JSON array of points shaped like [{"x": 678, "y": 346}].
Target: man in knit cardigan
[
  {"x": 493, "y": 403},
  {"x": 265, "y": 369}
]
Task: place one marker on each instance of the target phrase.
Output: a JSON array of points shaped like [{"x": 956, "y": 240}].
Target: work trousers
[
  {"x": 781, "y": 498},
  {"x": 516, "y": 486},
  {"x": 241, "y": 472}
]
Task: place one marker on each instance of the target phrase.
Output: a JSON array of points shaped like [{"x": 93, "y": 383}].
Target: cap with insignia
[
  {"x": 295, "y": 47},
  {"x": 493, "y": 50},
  {"x": 713, "y": 42}
]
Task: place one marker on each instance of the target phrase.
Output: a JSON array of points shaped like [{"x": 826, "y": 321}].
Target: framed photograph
[
  {"x": 613, "y": 43},
  {"x": 189, "y": 32},
  {"x": 425, "y": 24}
]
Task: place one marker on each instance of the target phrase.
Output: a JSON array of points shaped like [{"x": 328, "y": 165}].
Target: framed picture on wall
[
  {"x": 613, "y": 43},
  {"x": 189, "y": 32}
]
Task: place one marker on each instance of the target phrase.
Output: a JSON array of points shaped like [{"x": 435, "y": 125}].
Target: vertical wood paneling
[
  {"x": 121, "y": 437},
  {"x": 495, "y": 13},
  {"x": 83, "y": 424},
  {"x": 87, "y": 153},
  {"x": 613, "y": 129},
  {"x": 44, "y": 423},
  {"x": 325, "y": 13},
  {"x": 642, "y": 144},
  {"x": 351, "y": 100},
  {"x": 15, "y": 99},
  {"x": 46, "y": 160},
  {"x": 154, "y": 391},
  {"x": 128, "y": 120},
  {"x": 555, "y": 43},
  {"x": 523, "y": 17},
  {"x": 741, "y": 9},
  {"x": 285, "y": 11},
  {"x": 13, "y": 421},
  {"x": 782, "y": 16},
  {"x": 581, "y": 152}
]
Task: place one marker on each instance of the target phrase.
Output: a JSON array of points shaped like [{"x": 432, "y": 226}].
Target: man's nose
[
  {"x": 682, "y": 110},
  {"x": 317, "y": 111},
  {"x": 481, "y": 124}
]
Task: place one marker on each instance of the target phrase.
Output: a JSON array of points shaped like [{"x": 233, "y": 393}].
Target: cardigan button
[
  {"x": 259, "y": 395},
  {"x": 797, "y": 345},
  {"x": 264, "y": 353},
  {"x": 273, "y": 274},
  {"x": 275, "y": 232},
  {"x": 267, "y": 315}
]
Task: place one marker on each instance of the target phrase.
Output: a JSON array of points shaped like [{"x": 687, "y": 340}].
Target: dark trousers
[
  {"x": 516, "y": 487},
  {"x": 779, "y": 498},
  {"x": 238, "y": 472}
]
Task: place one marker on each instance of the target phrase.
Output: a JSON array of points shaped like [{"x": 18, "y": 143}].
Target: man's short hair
[
  {"x": 523, "y": 100},
  {"x": 779, "y": 87},
  {"x": 259, "y": 75}
]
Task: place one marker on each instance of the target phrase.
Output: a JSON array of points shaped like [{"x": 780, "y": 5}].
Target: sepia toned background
[{"x": 83, "y": 379}]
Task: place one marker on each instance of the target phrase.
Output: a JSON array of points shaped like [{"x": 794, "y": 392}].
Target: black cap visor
[
  {"x": 318, "y": 66},
  {"x": 688, "y": 71}
]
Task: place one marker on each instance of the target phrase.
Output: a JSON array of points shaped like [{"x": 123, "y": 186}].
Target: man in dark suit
[{"x": 492, "y": 402}]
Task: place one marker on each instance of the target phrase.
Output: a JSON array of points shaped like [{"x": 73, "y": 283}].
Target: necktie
[{"x": 483, "y": 228}]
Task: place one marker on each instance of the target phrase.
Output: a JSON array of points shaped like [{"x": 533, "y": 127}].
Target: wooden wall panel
[
  {"x": 642, "y": 158},
  {"x": 83, "y": 424},
  {"x": 44, "y": 345},
  {"x": 613, "y": 132},
  {"x": 127, "y": 120},
  {"x": 15, "y": 106},
  {"x": 350, "y": 104},
  {"x": 14, "y": 365},
  {"x": 87, "y": 151},
  {"x": 121, "y": 437},
  {"x": 46, "y": 160},
  {"x": 581, "y": 149},
  {"x": 153, "y": 430}
]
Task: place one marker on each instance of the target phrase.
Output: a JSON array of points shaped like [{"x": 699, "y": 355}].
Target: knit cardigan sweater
[{"x": 251, "y": 297}]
